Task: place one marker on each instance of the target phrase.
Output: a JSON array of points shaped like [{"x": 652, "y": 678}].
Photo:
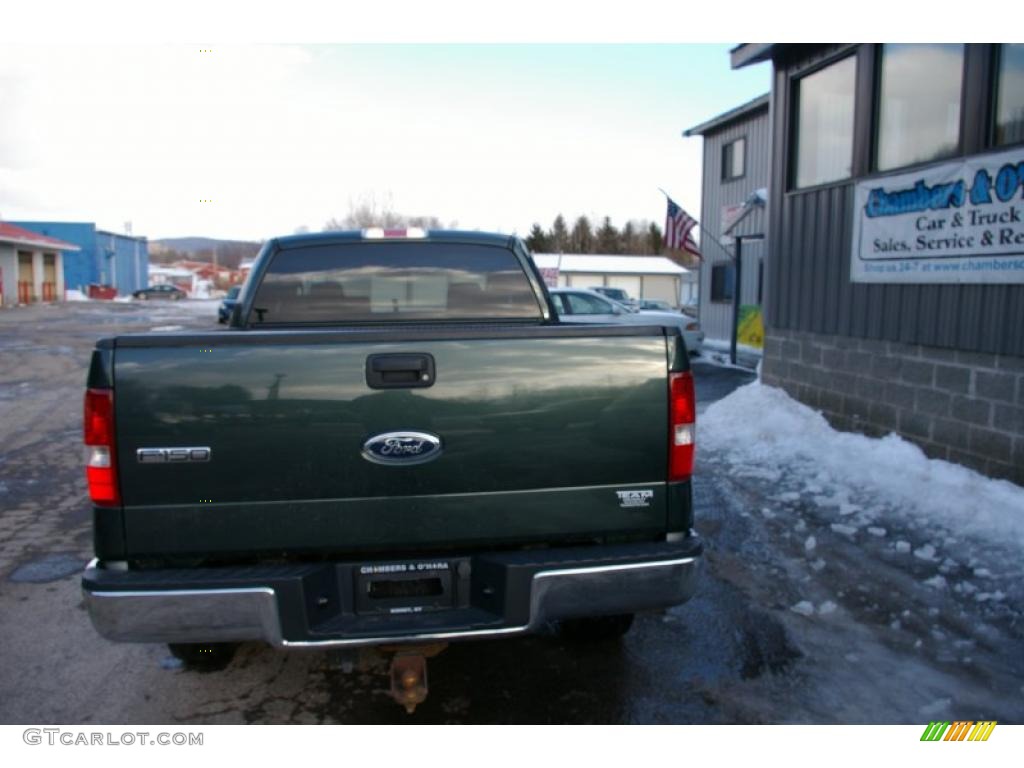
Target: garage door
[
  {"x": 582, "y": 280},
  {"x": 629, "y": 283},
  {"x": 661, "y": 287}
]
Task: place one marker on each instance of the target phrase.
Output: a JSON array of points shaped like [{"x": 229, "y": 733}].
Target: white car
[{"x": 579, "y": 305}]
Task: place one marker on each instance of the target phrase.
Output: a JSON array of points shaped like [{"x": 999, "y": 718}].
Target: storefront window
[
  {"x": 1010, "y": 95},
  {"x": 824, "y": 137},
  {"x": 919, "y": 103}
]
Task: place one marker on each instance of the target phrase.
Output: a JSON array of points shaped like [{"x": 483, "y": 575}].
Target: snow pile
[
  {"x": 73, "y": 294},
  {"x": 761, "y": 426}
]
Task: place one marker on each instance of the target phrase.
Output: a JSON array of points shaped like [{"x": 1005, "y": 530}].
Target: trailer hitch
[{"x": 409, "y": 673}]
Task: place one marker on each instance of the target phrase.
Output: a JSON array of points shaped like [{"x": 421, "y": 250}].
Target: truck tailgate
[{"x": 541, "y": 432}]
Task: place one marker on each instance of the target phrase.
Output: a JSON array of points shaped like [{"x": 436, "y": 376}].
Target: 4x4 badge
[{"x": 635, "y": 498}]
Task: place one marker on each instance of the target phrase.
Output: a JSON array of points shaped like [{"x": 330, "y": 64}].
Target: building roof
[
  {"x": 734, "y": 114},
  {"x": 621, "y": 265},
  {"x": 108, "y": 233},
  {"x": 751, "y": 53},
  {"x": 169, "y": 271},
  {"x": 9, "y": 233}
]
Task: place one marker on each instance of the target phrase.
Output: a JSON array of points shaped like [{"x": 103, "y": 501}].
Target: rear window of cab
[{"x": 380, "y": 282}]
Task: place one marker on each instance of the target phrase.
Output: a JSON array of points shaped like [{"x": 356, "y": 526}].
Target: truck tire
[
  {"x": 205, "y": 657},
  {"x": 595, "y": 630}
]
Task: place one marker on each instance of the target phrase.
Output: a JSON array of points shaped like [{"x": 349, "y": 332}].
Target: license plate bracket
[{"x": 398, "y": 588}]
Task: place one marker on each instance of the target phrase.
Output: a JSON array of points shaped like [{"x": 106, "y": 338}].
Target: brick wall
[{"x": 961, "y": 406}]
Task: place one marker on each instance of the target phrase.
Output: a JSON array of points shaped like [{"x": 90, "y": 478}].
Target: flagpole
[
  {"x": 734, "y": 257},
  {"x": 710, "y": 237}
]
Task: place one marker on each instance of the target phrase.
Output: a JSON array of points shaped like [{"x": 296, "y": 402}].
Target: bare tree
[
  {"x": 367, "y": 212},
  {"x": 635, "y": 237}
]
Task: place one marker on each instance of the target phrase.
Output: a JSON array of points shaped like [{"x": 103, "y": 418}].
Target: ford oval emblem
[{"x": 402, "y": 448}]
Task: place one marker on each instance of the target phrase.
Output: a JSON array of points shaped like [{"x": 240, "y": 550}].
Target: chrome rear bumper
[{"x": 254, "y": 612}]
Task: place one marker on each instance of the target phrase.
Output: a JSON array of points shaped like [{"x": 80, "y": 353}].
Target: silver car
[{"x": 580, "y": 305}]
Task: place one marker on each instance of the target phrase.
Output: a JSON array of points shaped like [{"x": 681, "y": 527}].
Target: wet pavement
[{"x": 737, "y": 652}]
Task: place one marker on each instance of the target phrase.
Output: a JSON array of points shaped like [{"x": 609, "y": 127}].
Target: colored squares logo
[{"x": 959, "y": 730}]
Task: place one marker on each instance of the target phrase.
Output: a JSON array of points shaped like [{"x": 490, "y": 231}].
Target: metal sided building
[
  {"x": 104, "y": 258},
  {"x": 642, "y": 277},
  {"x": 895, "y": 291},
  {"x": 737, "y": 152}
]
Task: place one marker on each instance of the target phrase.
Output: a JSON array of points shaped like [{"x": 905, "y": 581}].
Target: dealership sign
[
  {"x": 550, "y": 276},
  {"x": 959, "y": 222}
]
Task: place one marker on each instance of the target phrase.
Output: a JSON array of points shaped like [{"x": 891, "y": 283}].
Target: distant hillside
[{"x": 228, "y": 253}]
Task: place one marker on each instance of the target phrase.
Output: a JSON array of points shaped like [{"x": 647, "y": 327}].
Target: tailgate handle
[{"x": 400, "y": 371}]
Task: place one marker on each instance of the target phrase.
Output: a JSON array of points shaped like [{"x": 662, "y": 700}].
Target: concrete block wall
[{"x": 964, "y": 407}]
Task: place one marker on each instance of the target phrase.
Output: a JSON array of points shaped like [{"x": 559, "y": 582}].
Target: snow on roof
[
  {"x": 624, "y": 265},
  {"x": 9, "y": 233}
]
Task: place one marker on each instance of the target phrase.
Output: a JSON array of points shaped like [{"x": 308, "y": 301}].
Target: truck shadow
[
  {"x": 670, "y": 668},
  {"x": 539, "y": 679}
]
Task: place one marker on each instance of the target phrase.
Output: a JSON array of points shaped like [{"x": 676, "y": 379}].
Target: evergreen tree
[
  {"x": 607, "y": 237},
  {"x": 654, "y": 238},
  {"x": 537, "y": 241},
  {"x": 582, "y": 238},
  {"x": 628, "y": 240},
  {"x": 558, "y": 238}
]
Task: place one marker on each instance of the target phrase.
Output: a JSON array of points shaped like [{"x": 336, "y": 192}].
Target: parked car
[
  {"x": 653, "y": 305},
  {"x": 616, "y": 294},
  {"x": 579, "y": 305},
  {"x": 160, "y": 292},
  {"x": 228, "y": 303},
  {"x": 377, "y": 452}
]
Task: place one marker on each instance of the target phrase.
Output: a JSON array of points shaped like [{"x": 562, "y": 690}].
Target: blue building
[{"x": 105, "y": 258}]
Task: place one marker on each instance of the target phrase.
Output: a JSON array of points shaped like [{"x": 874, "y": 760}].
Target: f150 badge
[
  {"x": 635, "y": 498},
  {"x": 402, "y": 448},
  {"x": 172, "y": 455}
]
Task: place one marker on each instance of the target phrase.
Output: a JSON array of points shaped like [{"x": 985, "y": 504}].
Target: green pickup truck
[{"x": 396, "y": 441}]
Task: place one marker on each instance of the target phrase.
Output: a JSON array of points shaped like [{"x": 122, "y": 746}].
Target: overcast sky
[{"x": 490, "y": 137}]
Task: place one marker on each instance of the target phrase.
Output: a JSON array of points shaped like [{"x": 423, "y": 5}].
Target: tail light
[
  {"x": 693, "y": 326},
  {"x": 682, "y": 427},
  {"x": 100, "y": 467}
]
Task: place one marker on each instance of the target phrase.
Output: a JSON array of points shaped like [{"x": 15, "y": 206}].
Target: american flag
[{"x": 679, "y": 230}]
